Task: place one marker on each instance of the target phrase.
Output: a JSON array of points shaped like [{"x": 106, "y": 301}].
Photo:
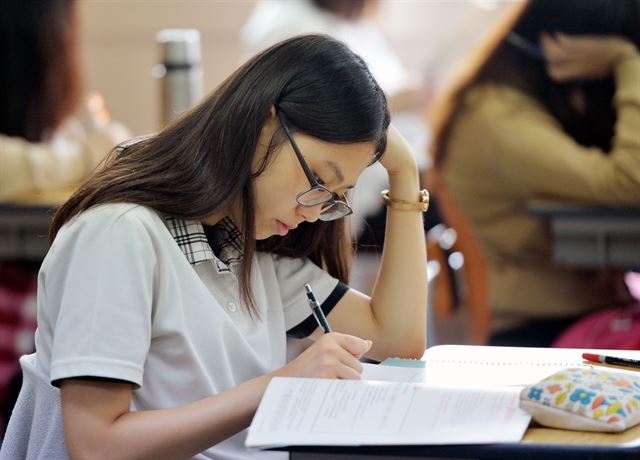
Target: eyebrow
[{"x": 336, "y": 170}]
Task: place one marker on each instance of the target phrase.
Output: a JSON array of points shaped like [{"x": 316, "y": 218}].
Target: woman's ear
[{"x": 271, "y": 123}]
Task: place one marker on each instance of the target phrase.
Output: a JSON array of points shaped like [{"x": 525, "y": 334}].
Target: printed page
[
  {"x": 297, "y": 411},
  {"x": 393, "y": 373}
]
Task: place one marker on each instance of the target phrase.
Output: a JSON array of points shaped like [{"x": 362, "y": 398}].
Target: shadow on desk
[{"x": 538, "y": 443}]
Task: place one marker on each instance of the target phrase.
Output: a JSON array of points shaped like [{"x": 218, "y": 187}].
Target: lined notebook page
[{"x": 468, "y": 365}]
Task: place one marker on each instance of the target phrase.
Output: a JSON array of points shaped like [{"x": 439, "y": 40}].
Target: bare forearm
[
  {"x": 178, "y": 432},
  {"x": 99, "y": 425},
  {"x": 400, "y": 295}
]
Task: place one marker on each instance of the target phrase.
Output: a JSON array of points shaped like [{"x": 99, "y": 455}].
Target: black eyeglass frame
[{"x": 332, "y": 197}]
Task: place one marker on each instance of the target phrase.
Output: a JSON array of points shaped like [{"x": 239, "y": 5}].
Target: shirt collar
[
  {"x": 228, "y": 242},
  {"x": 192, "y": 240}
]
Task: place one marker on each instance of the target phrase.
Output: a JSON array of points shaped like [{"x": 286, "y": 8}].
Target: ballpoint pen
[
  {"x": 611, "y": 360},
  {"x": 316, "y": 310}
]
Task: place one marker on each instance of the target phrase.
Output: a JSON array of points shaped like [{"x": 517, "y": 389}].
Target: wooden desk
[
  {"x": 587, "y": 236},
  {"x": 538, "y": 443}
]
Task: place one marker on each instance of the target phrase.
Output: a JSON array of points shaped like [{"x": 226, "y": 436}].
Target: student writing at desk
[
  {"x": 177, "y": 269},
  {"x": 554, "y": 112}
]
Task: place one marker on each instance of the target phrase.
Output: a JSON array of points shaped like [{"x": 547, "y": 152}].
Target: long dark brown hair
[
  {"x": 201, "y": 163},
  {"x": 509, "y": 65},
  {"x": 40, "y": 79}
]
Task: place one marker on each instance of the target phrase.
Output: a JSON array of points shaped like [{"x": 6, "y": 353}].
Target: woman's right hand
[
  {"x": 583, "y": 56},
  {"x": 333, "y": 355}
]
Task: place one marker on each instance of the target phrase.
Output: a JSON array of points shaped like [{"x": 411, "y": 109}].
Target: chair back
[{"x": 463, "y": 278}]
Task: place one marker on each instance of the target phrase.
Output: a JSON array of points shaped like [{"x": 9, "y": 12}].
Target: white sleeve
[
  {"x": 98, "y": 297},
  {"x": 292, "y": 274}
]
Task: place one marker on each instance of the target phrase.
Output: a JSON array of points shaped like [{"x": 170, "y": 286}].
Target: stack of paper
[
  {"x": 297, "y": 411},
  {"x": 460, "y": 395}
]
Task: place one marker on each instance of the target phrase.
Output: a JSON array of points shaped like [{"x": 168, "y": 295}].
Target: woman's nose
[{"x": 310, "y": 213}]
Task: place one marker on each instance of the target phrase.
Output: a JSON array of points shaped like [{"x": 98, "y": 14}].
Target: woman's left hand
[
  {"x": 583, "y": 56},
  {"x": 398, "y": 156}
]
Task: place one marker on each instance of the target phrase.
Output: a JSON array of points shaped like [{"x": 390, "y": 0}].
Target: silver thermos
[{"x": 180, "y": 71}]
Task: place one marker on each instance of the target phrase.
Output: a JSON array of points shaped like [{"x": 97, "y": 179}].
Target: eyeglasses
[{"x": 334, "y": 206}]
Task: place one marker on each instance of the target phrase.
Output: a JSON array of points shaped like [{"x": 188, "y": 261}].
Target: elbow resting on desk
[
  {"x": 401, "y": 333},
  {"x": 409, "y": 344},
  {"x": 413, "y": 350}
]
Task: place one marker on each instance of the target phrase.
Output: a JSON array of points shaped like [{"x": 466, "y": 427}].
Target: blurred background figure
[
  {"x": 553, "y": 112},
  {"x": 355, "y": 22},
  {"x": 45, "y": 148}
]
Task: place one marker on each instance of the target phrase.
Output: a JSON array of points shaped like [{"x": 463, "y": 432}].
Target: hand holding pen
[{"x": 333, "y": 355}]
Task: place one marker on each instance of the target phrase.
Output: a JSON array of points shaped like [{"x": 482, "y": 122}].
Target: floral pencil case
[{"x": 584, "y": 399}]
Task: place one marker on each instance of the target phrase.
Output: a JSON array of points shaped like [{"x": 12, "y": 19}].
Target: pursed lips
[{"x": 283, "y": 228}]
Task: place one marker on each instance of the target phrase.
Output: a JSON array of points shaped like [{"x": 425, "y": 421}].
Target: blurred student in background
[
  {"x": 554, "y": 112},
  {"x": 355, "y": 22},
  {"x": 42, "y": 146}
]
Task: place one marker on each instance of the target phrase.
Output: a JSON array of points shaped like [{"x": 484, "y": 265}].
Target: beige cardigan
[
  {"x": 70, "y": 156},
  {"x": 505, "y": 150}
]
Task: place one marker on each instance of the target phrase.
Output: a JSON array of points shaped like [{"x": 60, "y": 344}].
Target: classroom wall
[{"x": 119, "y": 49}]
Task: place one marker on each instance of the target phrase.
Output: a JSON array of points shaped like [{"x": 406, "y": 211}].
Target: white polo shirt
[{"x": 127, "y": 294}]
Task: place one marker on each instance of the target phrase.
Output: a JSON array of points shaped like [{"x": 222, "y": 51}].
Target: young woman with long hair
[{"x": 176, "y": 271}]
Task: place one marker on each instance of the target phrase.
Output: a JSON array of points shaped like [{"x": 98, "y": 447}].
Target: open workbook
[
  {"x": 484, "y": 366},
  {"x": 460, "y": 395}
]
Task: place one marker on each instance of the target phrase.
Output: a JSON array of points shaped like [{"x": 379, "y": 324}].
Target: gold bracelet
[{"x": 422, "y": 204}]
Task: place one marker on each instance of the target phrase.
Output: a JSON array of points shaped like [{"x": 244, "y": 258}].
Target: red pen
[{"x": 611, "y": 360}]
